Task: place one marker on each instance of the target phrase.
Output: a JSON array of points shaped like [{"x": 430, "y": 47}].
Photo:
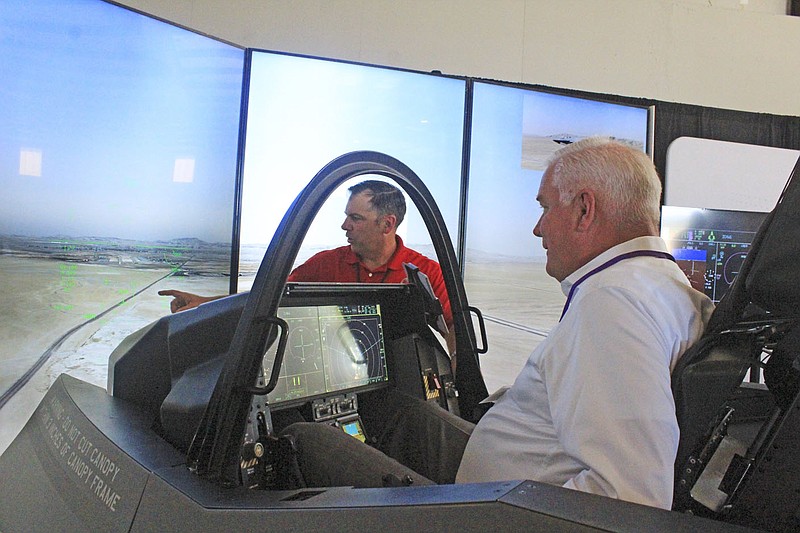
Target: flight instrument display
[
  {"x": 330, "y": 348},
  {"x": 709, "y": 245}
]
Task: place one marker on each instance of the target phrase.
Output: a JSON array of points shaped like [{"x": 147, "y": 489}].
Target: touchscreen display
[{"x": 330, "y": 348}]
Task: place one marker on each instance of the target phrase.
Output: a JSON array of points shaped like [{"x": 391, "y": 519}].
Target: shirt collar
[
  {"x": 639, "y": 243},
  {"x": 395, "y": 261}
]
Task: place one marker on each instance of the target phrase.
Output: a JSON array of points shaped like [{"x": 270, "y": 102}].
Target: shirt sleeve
[
  {"x": 309, "y": 271},
  {"x": 613, "y": 408}
]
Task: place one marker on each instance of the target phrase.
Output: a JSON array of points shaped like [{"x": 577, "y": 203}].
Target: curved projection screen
[
  {"x": 304, "y": 112},
  {"x": 118, "y": 147},
  {"x": 118, "y": 160}
]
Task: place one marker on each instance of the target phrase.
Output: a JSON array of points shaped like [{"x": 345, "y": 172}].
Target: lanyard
[{"x": 612, "y": 262}]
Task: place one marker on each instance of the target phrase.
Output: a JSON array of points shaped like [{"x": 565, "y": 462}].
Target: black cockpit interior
[{"x": 346, "y": 344}]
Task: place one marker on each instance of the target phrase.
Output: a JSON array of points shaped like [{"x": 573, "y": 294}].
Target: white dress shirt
[{"x": 592, "y": 409}]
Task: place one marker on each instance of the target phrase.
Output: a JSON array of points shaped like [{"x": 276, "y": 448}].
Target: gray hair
[{"x": 623, "y": 179}]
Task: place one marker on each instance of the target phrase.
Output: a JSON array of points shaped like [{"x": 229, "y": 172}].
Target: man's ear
[
  {"x": 587, "y": 206},
  {"x": 389, "y": 223}
]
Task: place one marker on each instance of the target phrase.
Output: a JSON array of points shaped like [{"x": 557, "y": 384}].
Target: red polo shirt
[{"x": 343, "y": 266}]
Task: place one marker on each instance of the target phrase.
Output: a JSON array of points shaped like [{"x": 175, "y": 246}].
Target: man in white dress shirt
[{"x": 592, "y": 409}]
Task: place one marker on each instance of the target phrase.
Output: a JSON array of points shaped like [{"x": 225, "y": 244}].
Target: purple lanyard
[{"x": 612, "y": 262}]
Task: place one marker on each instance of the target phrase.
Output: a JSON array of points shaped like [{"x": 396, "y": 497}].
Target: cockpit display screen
[
  {"x": 709, "y": 244},
  {"x": 330, "y": 348}
]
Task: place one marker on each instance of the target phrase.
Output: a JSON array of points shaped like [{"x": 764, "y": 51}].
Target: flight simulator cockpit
[{"x": 344, "y": 345}]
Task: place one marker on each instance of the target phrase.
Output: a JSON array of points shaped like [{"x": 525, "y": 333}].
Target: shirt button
[{"x": 370, "y": 274}]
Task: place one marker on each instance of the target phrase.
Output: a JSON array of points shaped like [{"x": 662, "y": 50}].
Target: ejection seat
[{"x": 736, "y": 389}]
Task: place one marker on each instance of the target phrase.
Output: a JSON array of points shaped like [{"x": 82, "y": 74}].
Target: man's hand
[{"x": 181, "y": 301}]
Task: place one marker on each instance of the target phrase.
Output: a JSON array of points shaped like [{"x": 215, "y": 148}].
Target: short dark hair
[{"x": 384, "y": 197}]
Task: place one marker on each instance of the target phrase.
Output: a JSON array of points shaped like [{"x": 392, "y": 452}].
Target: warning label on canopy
[{"x": 87, "y": 464}]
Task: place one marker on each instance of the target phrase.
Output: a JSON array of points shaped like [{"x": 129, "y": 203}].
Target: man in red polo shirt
[{"x": 375, "y": 253}]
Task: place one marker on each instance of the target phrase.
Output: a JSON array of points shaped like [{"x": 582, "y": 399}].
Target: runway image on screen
[
  {"x": 330, "y": 348},
  {"x": 97, "y": 217}
]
